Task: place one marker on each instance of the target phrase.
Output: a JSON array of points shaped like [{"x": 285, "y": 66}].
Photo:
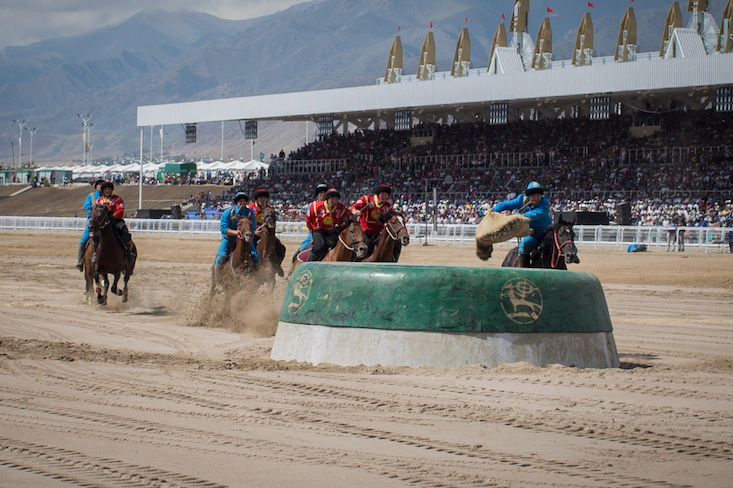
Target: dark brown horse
[
  {"x": 270, "y": 249},
  {"x": 556, "y": 249},
  {"x": 111, "y": 258},
  {"x": 351, "y": 243},
  {"x": 394, "y": 231},
  {"x": 240, "y": 264}
]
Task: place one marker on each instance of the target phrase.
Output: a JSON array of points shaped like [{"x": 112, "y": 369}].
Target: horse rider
[
  {"x": 321, "y": 190},
  {"x": 260, "y": 201},
  {"x": 327, "y": 218},
  {"x": 116, "y": 206},
  {"x": 534, "y": 205},
  {"x": 368, "y": 209},
  {"x": 88, "y": 206},
  {"x": 228, "y": 227}
]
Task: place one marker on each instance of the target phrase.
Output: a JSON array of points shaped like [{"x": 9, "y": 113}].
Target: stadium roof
[{"x": 687, "y": 76}]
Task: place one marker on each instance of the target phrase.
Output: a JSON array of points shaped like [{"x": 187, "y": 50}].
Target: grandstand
[{"x": 636, "y": 127}]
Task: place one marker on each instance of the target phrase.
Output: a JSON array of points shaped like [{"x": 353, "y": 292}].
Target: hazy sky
[{"x": 25, "y": 21}]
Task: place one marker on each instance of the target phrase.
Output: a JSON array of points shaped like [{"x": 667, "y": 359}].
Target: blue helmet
[
  {"x": 533, "y": 188},
  {"x": 321, "y": 188}
]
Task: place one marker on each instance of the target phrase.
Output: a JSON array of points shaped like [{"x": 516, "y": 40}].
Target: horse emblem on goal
[
  {"x": 301, "y": 290},
  {"x": 521, "y": 301}
]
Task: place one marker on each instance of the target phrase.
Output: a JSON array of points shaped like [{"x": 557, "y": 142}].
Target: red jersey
[
  {"x": 371, "y": 210},
  {"x": 115, "y": 205},
  {"x": 320, "y": 217},
  {"x": 257, "y": 211}
]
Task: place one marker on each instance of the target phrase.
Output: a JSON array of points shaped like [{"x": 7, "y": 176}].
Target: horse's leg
[
  {"x": 102, "y": 285},
  {"x": 115, "y": 290},
  {"x": 124, "y": 290}
]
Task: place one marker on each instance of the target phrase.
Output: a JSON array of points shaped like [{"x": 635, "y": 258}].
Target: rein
[{"x": 557, "y": 250}]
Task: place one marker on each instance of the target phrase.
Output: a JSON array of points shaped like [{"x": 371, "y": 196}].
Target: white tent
[{"x": 255, "y": 165}]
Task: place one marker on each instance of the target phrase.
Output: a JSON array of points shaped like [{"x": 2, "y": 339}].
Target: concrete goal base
[{"x": 351, "y": 346}]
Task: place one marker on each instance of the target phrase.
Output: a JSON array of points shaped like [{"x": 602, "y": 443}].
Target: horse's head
[
  {"x": 244, "y": 228},
  {"x": 564, "y": 236},
  {"x": 395, "y": 225},
  {"x": 269, "y": 218},
  {"x": 354, "y": 239},
  {"x": 99, "y": 217}
]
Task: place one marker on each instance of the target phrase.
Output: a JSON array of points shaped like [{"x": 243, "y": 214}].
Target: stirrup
[
  {"x": 94, "y": 257},
  {"x": 80, "y": 265}
]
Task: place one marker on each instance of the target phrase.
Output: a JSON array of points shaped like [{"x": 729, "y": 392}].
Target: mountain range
[{"x": 157, "y": 57}]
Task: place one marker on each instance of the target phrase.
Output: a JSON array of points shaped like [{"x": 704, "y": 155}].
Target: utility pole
[
  {"x": 84, "y": 120},
  {"x": 21, "y": 124}
]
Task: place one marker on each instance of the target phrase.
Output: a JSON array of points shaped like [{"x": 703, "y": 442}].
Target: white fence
[{"x": 703, "y": 239}]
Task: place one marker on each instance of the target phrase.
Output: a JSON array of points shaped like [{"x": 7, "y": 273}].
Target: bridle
[
  {"x": 557, "y": 248},
  {"x": 96, "y": 222},
  {"x": 269, "y": 220},
  {"x": 352, "y": 236},
  {"x": 391, "y": 232}
]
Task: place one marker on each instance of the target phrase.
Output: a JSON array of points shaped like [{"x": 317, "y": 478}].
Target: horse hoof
[{"x": 100, "y": 300}]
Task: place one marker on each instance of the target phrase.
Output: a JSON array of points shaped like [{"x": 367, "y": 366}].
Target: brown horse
[
  {"x": 394, "y": 231},
  {"x": 270, "y": 248},
  {"x": 111, "y": 258},
  {"x": 555, "y": 251},
  {"x": 240, "y": 263},
  {"x": 351, "y": 243}
]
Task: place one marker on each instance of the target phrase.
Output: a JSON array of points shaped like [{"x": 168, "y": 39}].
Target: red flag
[
  {"x": 431, "y": 25},
  {"x": 590, "y": 5},
  {"x": 465, "y": 21},
  {"x": 398, "y": 28},
  {"x": 549, "y": 10},
  {"x": 502, "y": 16}
]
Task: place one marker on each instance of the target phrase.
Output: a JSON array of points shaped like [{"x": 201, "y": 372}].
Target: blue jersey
[
  {"x": 539, "y": 214},
  {"x": 89, "y": 202},
  {"x": 229, "y": 221}
]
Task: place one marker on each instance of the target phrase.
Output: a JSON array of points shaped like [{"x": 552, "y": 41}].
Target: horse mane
[{"x": 384, "y": 218}]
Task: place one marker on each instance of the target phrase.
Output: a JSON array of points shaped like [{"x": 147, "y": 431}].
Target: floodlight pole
[
  {"x": 84, "y": 120},
  {"x": 21, "y": 124},
  {"x": 31, "y": 132},
  {"x": 140, "y": 179}
]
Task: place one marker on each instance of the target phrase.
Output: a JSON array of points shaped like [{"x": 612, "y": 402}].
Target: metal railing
[{"x": 705, "y": 239}]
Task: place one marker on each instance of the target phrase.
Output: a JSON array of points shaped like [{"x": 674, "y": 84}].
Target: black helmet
[
  {"x": 321, "y": 187},
  {"x": 261, "y": 193},
  {"x": 99, "y": 182},
  {"x": 382, "y": 188},
  {"x": 239, "y": 196},
  {"x": 333, "y": 192},
  {"x": 107, "y": 184}
]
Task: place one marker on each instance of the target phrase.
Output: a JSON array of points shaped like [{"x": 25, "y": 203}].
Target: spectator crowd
[{"x": 680, "y": 172}]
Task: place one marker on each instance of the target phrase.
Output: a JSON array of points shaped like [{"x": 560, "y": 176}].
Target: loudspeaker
[
  {"x": 623, "y": 213},
  {"x": 176, "y": 212}
]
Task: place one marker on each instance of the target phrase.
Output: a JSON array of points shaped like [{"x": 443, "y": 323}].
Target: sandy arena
[{"x": 172, "y": 390}]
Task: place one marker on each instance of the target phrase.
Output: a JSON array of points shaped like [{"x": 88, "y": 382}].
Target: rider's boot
[
  {"x": 523, "y": 261},
  {"x": 80, "y": 260}
]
